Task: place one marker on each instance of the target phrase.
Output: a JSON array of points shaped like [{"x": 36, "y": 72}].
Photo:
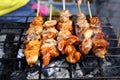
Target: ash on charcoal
[
  {"x": 95, "y": 73},
  {"x": 55, "y": 73},
  {"x": 2, "y": 38},
  {"x": 77, "y": 71},
  {"x": 10, "y": 51},
  {"x": 110, "y": 69},
  {"x": 32, "y": 72},
  {"x": 20, "y": 53},
  {"x": 34, "y": 75},
  {"x": 62, "y": 73},
  {"x": 111, "y": 65},
  {"x": 18, "y": 75},
  {"x": 106, "y": 63},
  {"x": 16, "y": 38},
  {"x": 58, "y": 63},
  {"x": 89, "y": 64},
  {"x": 9, "y": 48},
  {"x": 51, "y": 71},
  {"x": 20, "y": 64},
  {"x": 1, "y": 53},
  {"x": 77, "y": 74}
]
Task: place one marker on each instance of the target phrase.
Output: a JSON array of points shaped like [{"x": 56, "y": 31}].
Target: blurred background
[{"x": 103, "y": 8}]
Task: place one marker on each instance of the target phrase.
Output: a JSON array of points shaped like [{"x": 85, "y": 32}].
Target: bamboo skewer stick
[
  {"x": 50, "y": 18},
  {"x": 79, "y": 9},
  {"x": 63, "y": 4},
  {"x": 38, "y": 8},
  {"x": 118, "y": 39},
  {"x": 89, "y": 9}
]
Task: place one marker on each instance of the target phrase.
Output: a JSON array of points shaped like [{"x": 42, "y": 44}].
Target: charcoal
[
  {"x": 77, "y": 73},
  {"x": 51, "y": 71},
  {"x": 48, "y": 72},
  {"x": 20, "y": 53},
  {"x": 89, "y": 65},
  {"x": 34, "y": 75},
  {"x": 1, "y": 53},
  {"x": 10, "y": 51},
  {"x": 58, "y": 73},
  {"x": 62, "y": 73},
  {"x": 18, "y": 75},
  {"x": 95, "y": 73},
  {"x": 89, "y": 75},
  {"x": 113, "y": 43}
]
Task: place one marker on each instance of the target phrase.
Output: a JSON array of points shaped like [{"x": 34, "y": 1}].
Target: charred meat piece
[
  {"x": 81, "y": 25},
  {"x": 66, "y": 39},
  {"x": 31, "y": 51},
  {"x": 65, "y": 22},
  {"x": 100, "y": 44},
  {"x": 72, "y": 55},
  {"x": 85, "y": 46},
  {"x": 33, "y": 40},
  {"x": 48, "y": 50},
  {"x": 95, "y": 24},
  {"x": 49, "y": 29}
]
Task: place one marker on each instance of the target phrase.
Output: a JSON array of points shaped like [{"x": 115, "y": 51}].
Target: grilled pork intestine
[
  {"x": 35, "y": 29},
  {"x": 66, "y": 39},
  {"x": 63, "y": 34},
  {"x": 32, "y": 51},
  {"x": 33, "y": 40},
  {"x": 81, "y": 25},
  {"x": 95, "y": 25},
  {"x": 72, "y": 55},
  {"x": 88, "y": 33},
  {"x": 49, "y": 31},
  {"x": 66, "y": 46},
  {"x": 48, "y": 48},
  {"x": 100, "y": 44},
  {"x": 65, "y": 22},
  {"x": 48, "y": 43},
  {"x": 85, "y": 46},
  {"x": 84, "y": 32}
]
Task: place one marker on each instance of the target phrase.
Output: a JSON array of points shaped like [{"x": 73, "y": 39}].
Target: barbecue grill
[{"x": 14, "y": 66}]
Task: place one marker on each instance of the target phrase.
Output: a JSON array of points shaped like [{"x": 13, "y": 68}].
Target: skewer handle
[
  {"x": 79, "y": 8},
  {"x": 38, "y": 8},
  {"x": 89, "y": 9},
  {"x": 63, "y": 4},
  {"x": 50, "y": 18}
]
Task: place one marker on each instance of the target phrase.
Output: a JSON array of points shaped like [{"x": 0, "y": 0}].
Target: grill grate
[{"x": 14, "y": 67}]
